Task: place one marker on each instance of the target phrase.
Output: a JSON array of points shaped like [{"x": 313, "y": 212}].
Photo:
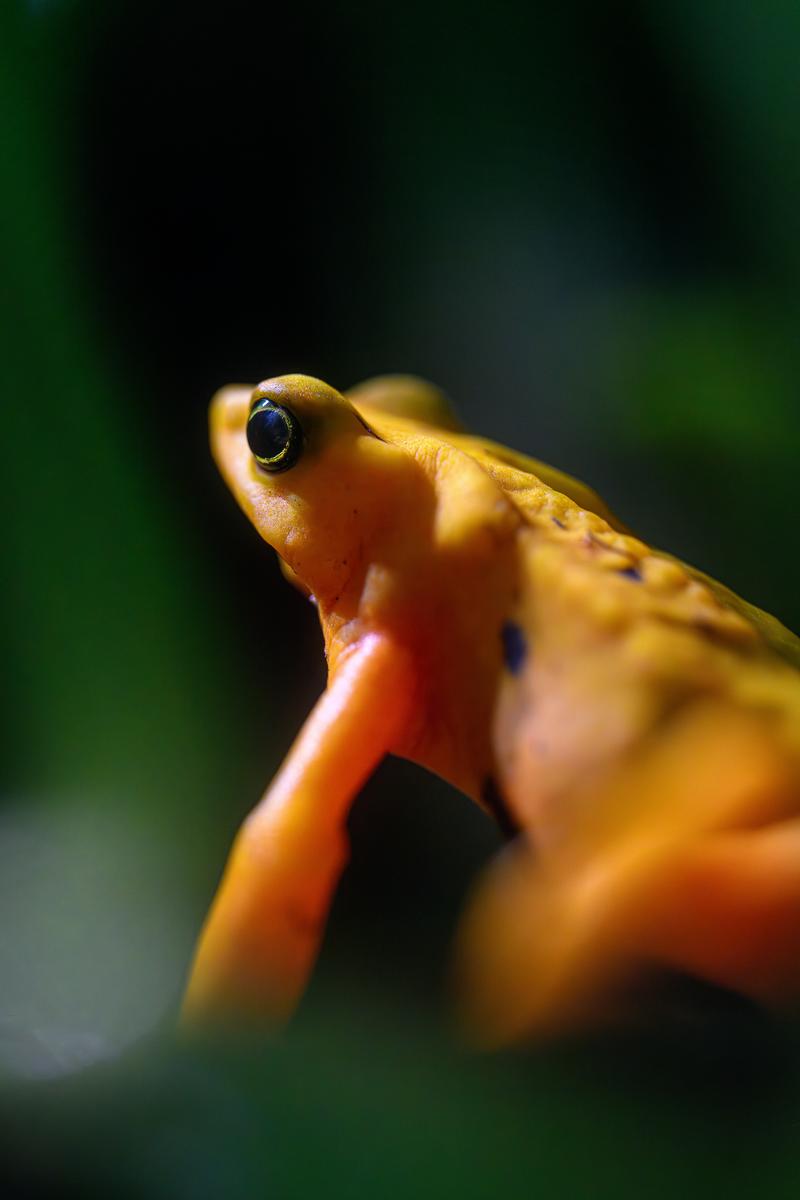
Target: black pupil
[{"x": 268, "y": 433}]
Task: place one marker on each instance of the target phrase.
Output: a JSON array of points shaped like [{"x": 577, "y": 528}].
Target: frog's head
[{"x": 316, "y": 481}]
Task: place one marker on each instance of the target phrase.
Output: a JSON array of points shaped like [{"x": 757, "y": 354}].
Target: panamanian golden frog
[{"x": 633, "y": 724}]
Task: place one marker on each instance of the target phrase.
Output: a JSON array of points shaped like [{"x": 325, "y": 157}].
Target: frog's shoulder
[
  {"x": 413, "y": 413},
  {"x": 404, "y": 408}
]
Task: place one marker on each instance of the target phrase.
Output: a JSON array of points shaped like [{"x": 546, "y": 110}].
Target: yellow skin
[{"x": 486, "y": 616}]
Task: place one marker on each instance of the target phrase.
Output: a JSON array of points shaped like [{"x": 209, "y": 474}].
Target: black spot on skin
[
  {"x": 631, "y": 573},
  {"x": 494, "y": 800},
  {"x": 556, "y": 521},
  {"x": 515, "y": 648}
]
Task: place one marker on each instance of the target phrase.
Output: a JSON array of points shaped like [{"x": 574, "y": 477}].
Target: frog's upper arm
[{"x": 262, "y": 934}]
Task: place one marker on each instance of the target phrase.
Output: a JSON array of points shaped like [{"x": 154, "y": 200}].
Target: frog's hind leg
[{"x": 688, "y": 857}]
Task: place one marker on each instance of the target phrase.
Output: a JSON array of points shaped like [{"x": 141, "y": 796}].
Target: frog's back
[
  {"x": 657, "y": 625},
  {"x": 540, "y": 492},
  {"x": 565, "y": 511}
]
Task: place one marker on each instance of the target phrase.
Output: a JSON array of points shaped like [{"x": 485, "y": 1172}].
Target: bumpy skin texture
[{"x": 633, "y": 722}]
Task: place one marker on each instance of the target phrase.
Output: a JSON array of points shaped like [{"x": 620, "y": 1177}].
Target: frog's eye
[{"x": 274, "y": 435}]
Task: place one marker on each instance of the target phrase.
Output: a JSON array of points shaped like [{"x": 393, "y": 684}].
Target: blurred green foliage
[{"x": 584, "y": 222}]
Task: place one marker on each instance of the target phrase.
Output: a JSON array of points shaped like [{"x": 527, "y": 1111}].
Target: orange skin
[{"x": 487, "y": 617}]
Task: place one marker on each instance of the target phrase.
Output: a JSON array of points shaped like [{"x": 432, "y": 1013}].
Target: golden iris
[{"x": 274, "y": 435}]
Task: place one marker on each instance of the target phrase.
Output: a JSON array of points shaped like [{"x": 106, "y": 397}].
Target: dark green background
[{"x": 583, "y": 221}]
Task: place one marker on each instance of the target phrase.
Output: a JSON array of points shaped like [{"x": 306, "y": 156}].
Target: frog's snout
[
  {"x": 227, "y": 421},
  {"x": 229, "y": 409}
]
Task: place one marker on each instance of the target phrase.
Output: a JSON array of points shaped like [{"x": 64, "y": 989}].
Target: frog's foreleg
[
  {"x": 686, "y": 856},
  {"x": 263, "y": 931}
]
